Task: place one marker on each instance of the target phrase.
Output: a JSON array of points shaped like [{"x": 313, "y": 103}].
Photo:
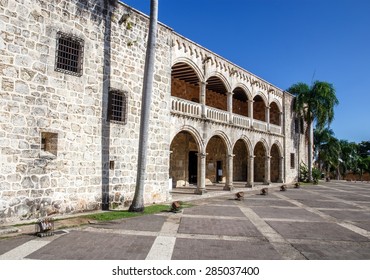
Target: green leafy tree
[
  {"x": 321, "y": 139},
  {"x": 315, "y": 104}
]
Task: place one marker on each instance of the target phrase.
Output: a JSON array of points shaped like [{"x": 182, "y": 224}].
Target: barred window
[
  {"x": 292, "y": 160},
  {"x": 117, "y": 106},
  {"x": 69, "y": 54}
]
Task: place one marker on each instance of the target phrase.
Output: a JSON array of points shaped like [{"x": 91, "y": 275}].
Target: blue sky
[{"x": 287, "y": 41}]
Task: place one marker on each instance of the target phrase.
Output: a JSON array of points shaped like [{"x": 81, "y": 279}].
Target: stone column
[
  {"x": 250, "y": 111},
  {"x": 230, "y": 105},
  {"x": 230, "y": 169},
  {"x": 281, "y": 121},
  {"x": 250, "y": 178},
  {"x": 267, "y": 117},
  {"x": 281, "y": 170},
  {"x": 202, "y": 98},
  {"x": 201, "y": 185},
  {"x": 267, "y": 180}
]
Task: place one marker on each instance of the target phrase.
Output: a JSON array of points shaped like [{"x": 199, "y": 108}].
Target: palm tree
[
  {"x": 320, "y": 138},
  {"x": 349, "y": 156},
  {"x": 138, "y": 201},
  {"x": 314, "y": 103}
]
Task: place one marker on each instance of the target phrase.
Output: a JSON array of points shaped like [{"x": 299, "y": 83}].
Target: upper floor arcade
[{"x": 204, "y": 85}]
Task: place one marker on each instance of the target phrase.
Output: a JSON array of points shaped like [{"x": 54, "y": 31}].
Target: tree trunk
[
  {"x": 309, "y": 152},
  {"x": 138, "y": 202}
]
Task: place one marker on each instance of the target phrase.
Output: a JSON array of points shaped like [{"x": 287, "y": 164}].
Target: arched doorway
[
  {"x": 240, "y": 163},
  {"x": 184, "y": 160},
  {"x": 216, "y": 170},
  {"x": 259, "y": 162},
  {"x": 275, "y": 164}
]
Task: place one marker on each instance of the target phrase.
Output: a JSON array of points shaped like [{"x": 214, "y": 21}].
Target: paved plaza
[{"x": 327, "y": 221}]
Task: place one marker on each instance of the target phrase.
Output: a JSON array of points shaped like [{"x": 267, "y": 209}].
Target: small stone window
[
  {"x": 69, "y": 54},
  {"x": 117, "y": 106},
  {"x": 299, "y": 125},
  {"x": 292, "y": 160},
  {"x": 49, "y": 142}
]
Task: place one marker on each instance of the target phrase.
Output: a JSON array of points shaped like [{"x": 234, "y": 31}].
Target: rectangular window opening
[
  {"x": 49, "y": 142},
  {"x": 69, "y": 54},
  {"x": 292, "y": 160},
  {"x": 117, "y": 107}
]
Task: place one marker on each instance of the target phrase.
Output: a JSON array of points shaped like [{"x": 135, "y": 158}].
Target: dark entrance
[
  {"x": 193, "y": 167},
  {"x": 219, "y": 171}
]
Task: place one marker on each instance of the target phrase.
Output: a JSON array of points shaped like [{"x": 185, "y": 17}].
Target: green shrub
[
  {"x": 303, "y": 174},
  {"x": 316, "y": 174}
]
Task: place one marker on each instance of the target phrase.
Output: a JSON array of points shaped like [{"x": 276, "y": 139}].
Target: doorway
[
  {"x": 219, "y": 171},
  {"x": 193, "y": 167}
]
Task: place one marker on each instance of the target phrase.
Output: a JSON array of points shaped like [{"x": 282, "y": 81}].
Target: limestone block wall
[
  {"x": 295, "y": 143},
  {"x": 94, "y": 161}
]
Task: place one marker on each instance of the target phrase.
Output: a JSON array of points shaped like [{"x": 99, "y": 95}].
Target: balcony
[{"x": 194, "y": 110}]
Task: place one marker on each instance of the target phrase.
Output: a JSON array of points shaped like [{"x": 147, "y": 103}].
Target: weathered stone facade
[{"x": 59, "y": 151}]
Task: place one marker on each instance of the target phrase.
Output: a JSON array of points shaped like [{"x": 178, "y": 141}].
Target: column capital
[
  {"x": 201, "y": 154},
  {"x": 230, "y": 155}
]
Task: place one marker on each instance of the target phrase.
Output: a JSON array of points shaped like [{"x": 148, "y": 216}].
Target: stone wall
[
  {"x": 58, "y": 151},
  {"x": 95, "y": 161}
]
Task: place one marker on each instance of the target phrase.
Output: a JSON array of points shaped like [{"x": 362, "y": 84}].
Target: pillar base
[
  {"x": 200, "y": 191},
  {"x": 228, "y": 188},
  {"x": 249, "y": 185}
]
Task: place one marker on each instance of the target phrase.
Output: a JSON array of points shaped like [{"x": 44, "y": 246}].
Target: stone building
[{"x": 71, "y": 76}]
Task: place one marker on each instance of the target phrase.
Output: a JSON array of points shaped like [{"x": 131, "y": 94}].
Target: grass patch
[{"x": 116, "y": 214}]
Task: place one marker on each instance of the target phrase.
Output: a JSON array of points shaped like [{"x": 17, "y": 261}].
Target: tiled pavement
[{"x": 329, "y": 221}]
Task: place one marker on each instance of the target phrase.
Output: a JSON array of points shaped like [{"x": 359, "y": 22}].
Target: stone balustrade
[
  {"x": 260, "y": 125},
  {"x": 241, "y": 121},
  {"x": 193, "y": 109},
  {"x": 185, "y": 107},
  {"x": 217, "y": 115},
  {"x": 275, "y": 128}
]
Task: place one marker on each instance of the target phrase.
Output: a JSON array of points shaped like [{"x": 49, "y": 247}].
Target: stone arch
[
  {"x": 240, "y": 102},
  {"x": 185, "y": 79},
  {"x": 224, "y": 137},
  {"x": 260, "y": 154},
  {"x": 242, "y": 153},
  {"x": 217, "y": 149},
  {"x": 192, "y": 64},
  {"x": 184, "y": 148},
  {"x": 192, "y": 131},
  {"x": 275, "y": 113},
  {"x": 221, "y": 77},
  {"x": 248, "y": 143},
  {"x": 259, "y": 107},
  {"x": 217, "y": 91},
  {"x": 246, "y": 89},
  {"x": 275, "y": 162}
]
